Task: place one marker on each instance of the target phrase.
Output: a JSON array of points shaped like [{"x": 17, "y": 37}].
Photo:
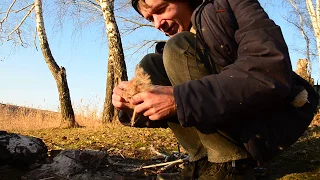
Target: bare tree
[
  {"x": 117, "y": 71},
  {"x": 305, "y": 16},
  {"x": 313, "y": 8},
  {"x": 300, "y": 21},
  {"x": 59, "y": 73}
]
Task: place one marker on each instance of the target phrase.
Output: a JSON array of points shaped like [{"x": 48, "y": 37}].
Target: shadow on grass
[{"x": 301, "y": 158}]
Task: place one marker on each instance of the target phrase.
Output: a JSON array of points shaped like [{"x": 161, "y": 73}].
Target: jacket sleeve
[{"x": 258, "y": 79}]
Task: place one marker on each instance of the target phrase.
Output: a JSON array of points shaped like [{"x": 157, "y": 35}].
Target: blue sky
[{"x": 26, "y": 80}]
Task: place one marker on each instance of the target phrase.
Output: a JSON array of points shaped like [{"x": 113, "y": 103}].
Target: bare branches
[
  {"x": 5, "y": 18},
  {"x": 135, "y": 22},
  {"x": 300, "y": 25},
  {"x": 130, "y": 25},
  {"x": 7, "y": 13},
  {"x": 90, "y": 4},
  {"x": 143, "y": 46},
  {"x": 21, "y": 22},
  {"x": 303, "y": 17}
]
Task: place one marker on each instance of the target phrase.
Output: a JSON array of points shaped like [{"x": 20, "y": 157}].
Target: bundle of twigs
[{"x": 139, "y": 83}]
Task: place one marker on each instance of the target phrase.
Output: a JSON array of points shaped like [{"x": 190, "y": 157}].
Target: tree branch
[
  {"x": 90, "y": 4},
  {"x": 21, "y": 9},
  {"x": 21, "y": 22},
  {"x": 135, "y": 22},
  {"x": 7, "y": 13}
]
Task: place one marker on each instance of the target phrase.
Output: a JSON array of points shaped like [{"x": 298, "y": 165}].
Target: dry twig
[
  {"x": 138, "y": 168},
  {"x": 179, "y": 161}
]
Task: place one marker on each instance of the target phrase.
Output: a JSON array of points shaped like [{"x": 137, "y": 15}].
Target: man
[{"x": 223, "y": 84}]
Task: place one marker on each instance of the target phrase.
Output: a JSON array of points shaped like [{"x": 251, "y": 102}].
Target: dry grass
[
  {"x": 21, "y": 118},
  {"x": 114, "y": 137},
  {"x": 18, "y": 118}
]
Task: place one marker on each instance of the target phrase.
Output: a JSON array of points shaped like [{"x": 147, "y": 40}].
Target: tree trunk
[
  {"x": 116, "y": 65},
  {"x": 108, "y": 109},
  {"x": 59, "y": 74},
  {"x": 314, "y": 12}
]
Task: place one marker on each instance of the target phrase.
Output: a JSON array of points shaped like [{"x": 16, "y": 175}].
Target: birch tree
[
  {"x": 313, "y": 8},
  {"x": 305, "y": 17},
  {"x": 117, "y": 71},
  {"x": 59, "y": 73}
]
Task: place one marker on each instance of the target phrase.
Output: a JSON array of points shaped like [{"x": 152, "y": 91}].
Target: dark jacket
[{"x": 250, "y": 97}]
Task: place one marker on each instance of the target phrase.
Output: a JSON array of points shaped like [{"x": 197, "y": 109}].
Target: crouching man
[{"x": 223, "y": 84}]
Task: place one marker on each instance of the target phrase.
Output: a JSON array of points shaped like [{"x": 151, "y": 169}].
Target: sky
[{"x": 25, "y": 79}]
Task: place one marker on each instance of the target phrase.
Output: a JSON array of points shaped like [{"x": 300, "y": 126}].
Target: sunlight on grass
[{"x": 113, "y": 137}]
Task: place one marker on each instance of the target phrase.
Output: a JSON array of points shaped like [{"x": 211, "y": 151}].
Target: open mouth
[{"x": 171, "y": 30}]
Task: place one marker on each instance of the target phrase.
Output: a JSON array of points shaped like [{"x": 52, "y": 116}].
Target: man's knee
[
  {"x": 182, "y": 44},
  {"x": 152, "y": 64},
  {"x": 149, "y": 61}
]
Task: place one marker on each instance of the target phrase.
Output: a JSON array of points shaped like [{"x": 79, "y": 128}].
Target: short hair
[{"x": 193, "y": 3}]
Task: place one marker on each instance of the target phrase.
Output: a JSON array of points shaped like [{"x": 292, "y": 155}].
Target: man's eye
[
  {"x": 150, "y": 19},
  {"x": 161, "y": 10}
]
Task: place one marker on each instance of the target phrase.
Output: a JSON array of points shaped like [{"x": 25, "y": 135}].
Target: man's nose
[{"x": 157, "y": 21}]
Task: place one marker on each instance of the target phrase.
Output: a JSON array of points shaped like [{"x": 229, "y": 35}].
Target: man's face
[{"x": 169, "y": 17}]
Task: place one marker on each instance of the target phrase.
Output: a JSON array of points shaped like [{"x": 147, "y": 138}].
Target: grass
[
  {"x": 114, "y": 137},
  {"x": 300, "y": 161}
]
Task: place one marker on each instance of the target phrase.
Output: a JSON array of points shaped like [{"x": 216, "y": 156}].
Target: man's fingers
[
  {"x": 123, "y": 84},
  {"x": 149, "y": 112},
  {"x": 142, "y": 102},
  {"x": 117, "y": 104},
  {"x": 140, "y": 98},
  {"x": 154, "y": 117},
  {"x": 118, "y": 91},
  {"x": 116, "y": 97},
  {"x": 120, "y": 104}
]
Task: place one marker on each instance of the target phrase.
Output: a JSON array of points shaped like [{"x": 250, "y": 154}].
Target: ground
[{"x": 136, "y": 147}]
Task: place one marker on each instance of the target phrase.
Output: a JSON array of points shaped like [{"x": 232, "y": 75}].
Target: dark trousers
[{"x": 181, "y": 61}]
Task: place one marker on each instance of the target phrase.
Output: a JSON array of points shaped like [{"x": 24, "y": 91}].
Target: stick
[
  {"x": 167, "y": 163},
  {"x": 133, "y": 117},
  {"x": 167, "y": 167}
]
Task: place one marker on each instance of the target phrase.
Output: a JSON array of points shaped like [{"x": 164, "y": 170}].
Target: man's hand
[
  {"x": 158, "y": 103},
  {"x": 117, "y": 100}
]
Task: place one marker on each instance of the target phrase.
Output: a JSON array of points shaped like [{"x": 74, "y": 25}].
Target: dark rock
[
  {"x": 21, "y": 151},
  {"x": 71, "y": 164}
]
